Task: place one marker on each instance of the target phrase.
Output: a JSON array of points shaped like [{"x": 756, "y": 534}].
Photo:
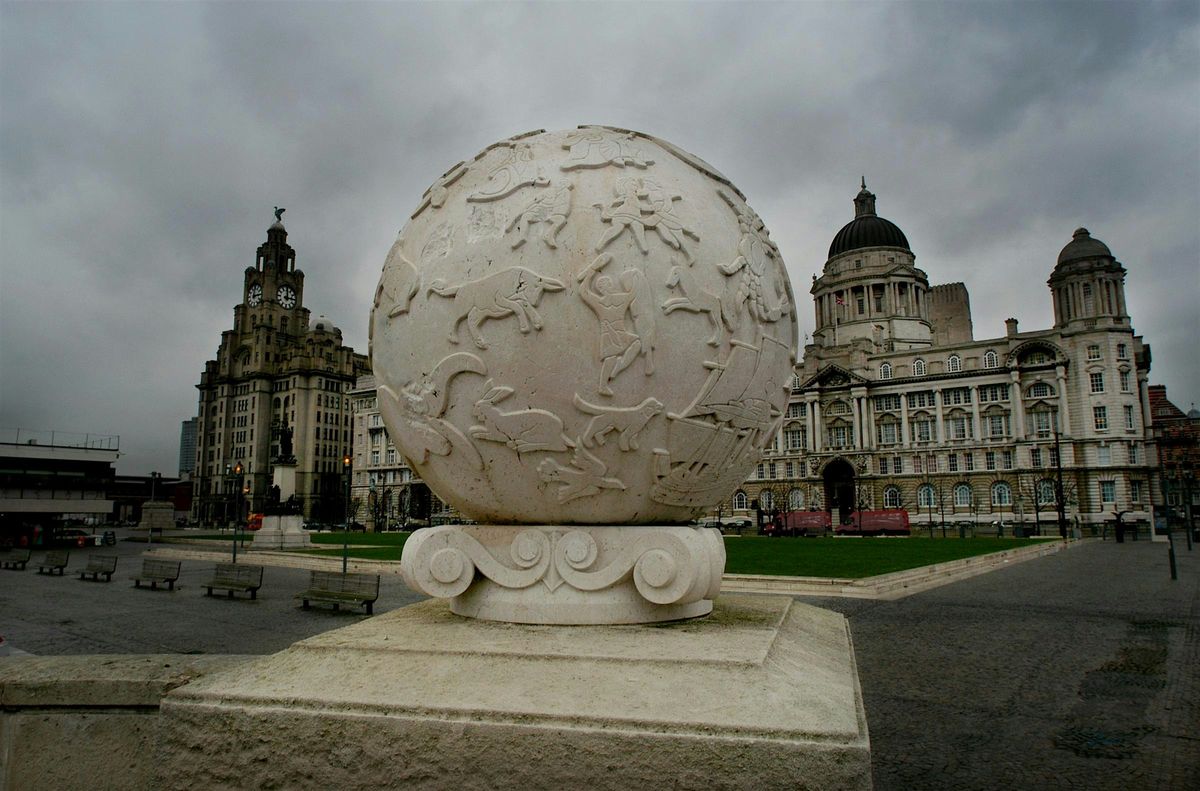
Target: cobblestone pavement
[{"x": 1077, "y": 670}]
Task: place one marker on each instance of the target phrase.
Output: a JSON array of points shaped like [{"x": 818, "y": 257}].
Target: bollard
[{"x": 1171, "y": 555}]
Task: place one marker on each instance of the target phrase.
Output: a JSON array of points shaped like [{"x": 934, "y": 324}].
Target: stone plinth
[
  {"x": 157, "y": 516},
  {"x": 282, "y": 532},
  {"x": 568, "y": 574},
  {"x": 286, "y": 531},
  {"x": 761, "y": 694}
]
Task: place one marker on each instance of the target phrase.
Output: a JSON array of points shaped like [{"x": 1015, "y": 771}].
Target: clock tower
[{"x": 275, "y": 368}]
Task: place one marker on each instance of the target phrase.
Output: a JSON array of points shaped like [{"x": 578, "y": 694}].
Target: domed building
[
  {"x": 897, "y": 406},
  {"x": 274, "y": 369}
]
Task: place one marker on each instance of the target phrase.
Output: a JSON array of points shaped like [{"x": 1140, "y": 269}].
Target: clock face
[
  {"x": 255, "y": 296},
  {"x": 286, "y": 297}
]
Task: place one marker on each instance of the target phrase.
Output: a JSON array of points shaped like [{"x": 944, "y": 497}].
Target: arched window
[
  {"x": 925, "y": 496},
  {"x": 954, "y": 364},
  {"x": 1045, "y": 492},
  {"x": 885, "y": 371},
  {"x": 765, "y": 499},
  {"x": 796, "y": 500},
  {"x": 918, "y": 367},
  {"x": 963, "y": 497},
  {"x": 740, "y": 502},
  {"x": 990, "y": 360},
  {"x": 891, "y": 497},
  {"x": 1001, "y": 493},
  {"x": 1040, "y": 390}
]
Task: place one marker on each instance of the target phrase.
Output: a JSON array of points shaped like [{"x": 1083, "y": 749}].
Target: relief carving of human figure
[
  {"x": 638, "y": 204},
  {"x": 619, "y": 346}
]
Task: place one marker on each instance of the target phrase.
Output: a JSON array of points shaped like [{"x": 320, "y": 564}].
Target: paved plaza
[{"x": 1076, "y": 670}]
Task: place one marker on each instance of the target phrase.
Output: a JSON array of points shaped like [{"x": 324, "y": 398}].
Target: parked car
[{"x": 73, "y": 536}]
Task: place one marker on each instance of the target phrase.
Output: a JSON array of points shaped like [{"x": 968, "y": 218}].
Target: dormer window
[
  {"x": 885, "y": 371},
  {"x": 990, "y": 359},
  {"x": 918, "y": 368},
  {"x": 954, "y": 364}
]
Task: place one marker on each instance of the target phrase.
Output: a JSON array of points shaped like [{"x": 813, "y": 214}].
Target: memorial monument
[
  {"x": 283, "y": 523},
  {"x": 582, "y": 340}
]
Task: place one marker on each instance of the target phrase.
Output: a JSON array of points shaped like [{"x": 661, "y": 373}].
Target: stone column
[
  {"x": 904, "y": 435},
  {"x": 937, "y": 409},
  {"x": 857, "y": 417},
  {"x": 816, "y": 425},
  {"x": 1064, "y": 411},
  {"x": 1018, "y": 402},
  {"x": 975, "y": 412}
]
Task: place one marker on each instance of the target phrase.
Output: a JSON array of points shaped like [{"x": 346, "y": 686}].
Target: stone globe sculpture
[{"x": 581, "y": 340}]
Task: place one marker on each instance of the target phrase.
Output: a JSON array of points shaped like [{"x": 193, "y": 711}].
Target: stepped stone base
[
  {"x": 282, "y": 532},
  {"x": 761, "y": 694}
]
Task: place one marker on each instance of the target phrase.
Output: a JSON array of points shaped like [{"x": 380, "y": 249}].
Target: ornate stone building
[
  {"x": 389, "y": 493},
  {"x": 897, "y": 405},
  {"x": 274, "y": 368}
]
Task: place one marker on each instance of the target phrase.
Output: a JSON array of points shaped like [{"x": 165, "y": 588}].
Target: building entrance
[{"x": 839, "y": 490}]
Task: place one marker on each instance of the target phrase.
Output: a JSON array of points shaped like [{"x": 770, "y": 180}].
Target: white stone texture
[
  {"x": 762, "y": 694},
  {"x": 157, "y": 516},
  {"x": 583, "y": 327},
  {"x": 564, "y": 575},
  {"x": 282, "y": 532}
]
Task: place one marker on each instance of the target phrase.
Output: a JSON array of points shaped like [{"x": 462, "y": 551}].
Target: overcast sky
[{"x": 143, "y": 146}]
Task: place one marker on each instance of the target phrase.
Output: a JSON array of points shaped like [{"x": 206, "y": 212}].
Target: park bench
[
  {"x": 54, "y": 562},
  {"x": 235, "y": 577},
  {"x": 337, "y": 589},
  {"x": 15, "y": 558},
  {"x": 155, "y": 571},
  {"x": 100, "y": 564}
]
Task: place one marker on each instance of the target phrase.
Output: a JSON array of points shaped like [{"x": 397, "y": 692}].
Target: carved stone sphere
[{"x": 583, "y": 327}]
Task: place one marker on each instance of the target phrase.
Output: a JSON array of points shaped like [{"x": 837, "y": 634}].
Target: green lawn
[
  {"x": 852, "y": 558},
  {"x": 849, "y": 558}
]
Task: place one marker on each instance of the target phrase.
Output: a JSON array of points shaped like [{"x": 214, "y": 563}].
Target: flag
[{"x": 839, "y": 300}]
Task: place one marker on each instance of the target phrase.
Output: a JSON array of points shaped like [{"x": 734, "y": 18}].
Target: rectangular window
[
  {"x": 1100, "y": 418},
  {"x": 1007, "y": 458},
  {"x": 789, "y": 470},
  {"x": 1129, "y": 416},
  {"x": 883, "y": 465},
  {"x": 1053, "y": 457},
  {"x": 969, "y": 461},
  {"x": 1126, "y": 382},
  {"x": 1093, "y": 351},
  {"x": 989, "y": 460},
  {"x": 761, "y": 472},
  {"x": 989, "y": 393},
  {"x": 839, "y": 436},
  {"x": 923, "y": 430},
  {"x": 917, "y": 466},
  {"x": 771, "y": 470},
  {"x": 795, "y": 438},
  {"x": 797, "y": 410},
  {"x": 897, "y": 465},
  {"x": 1104, "y": 456},
  {"x": 953, "y": 462},
  {"x": 1108, "y": 491},
  {"x": 960, "y": 428},
  {"x": 1096, "y": 380},
  {"x": 996, "y": 425},
  {"x": 374, "y": 457},
  {"x": 923, "y": 398},
  {"x": 1135, "y": 491},
  {"x": 1135, "y": 453},
  {"x": 885, "y": 402},
  {"x": 956, "y": 395},
  {"x": 1122, "y": 351},
  {"x": 1035, "y": 457},
  {"x": 889, "y": 433}
]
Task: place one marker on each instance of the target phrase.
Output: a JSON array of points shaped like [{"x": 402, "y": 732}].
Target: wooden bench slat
[
  {"x": 334, "y": 587},
  {"x": 155, "y": 571},
  {"x": 235, "y": 576},
  {"x": 100, "y": 564},
  {"x": 55, "y": 561}
]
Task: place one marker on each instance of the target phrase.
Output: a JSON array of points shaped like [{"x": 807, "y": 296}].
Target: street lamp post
[
  {"x": 1058, "y": 483},
  {"x": 346, "y": 472},
  {"x": 237, "y": 517}
]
